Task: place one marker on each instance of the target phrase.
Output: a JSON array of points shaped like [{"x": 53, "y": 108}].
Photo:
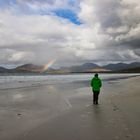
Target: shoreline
[{"x": 27, "y": 84}]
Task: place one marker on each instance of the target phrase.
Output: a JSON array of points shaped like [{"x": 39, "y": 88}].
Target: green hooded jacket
[{"x": 96, "y": 84}]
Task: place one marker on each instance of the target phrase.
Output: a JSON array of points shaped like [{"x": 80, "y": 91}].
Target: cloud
[
  {"x": 119, "y": 20},
  {"x": 109, "y": 31},
  {"x": 14, "y": 56},
  {"x": 45, "y": 36}
]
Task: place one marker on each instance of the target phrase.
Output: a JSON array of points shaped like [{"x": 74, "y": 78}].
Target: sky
[{"x": 70, "y": 31}]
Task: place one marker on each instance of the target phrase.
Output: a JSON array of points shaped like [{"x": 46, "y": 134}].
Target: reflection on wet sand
[{"x": 39, "y": 112}]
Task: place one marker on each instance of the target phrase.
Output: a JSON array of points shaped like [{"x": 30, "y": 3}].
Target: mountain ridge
[{"x": 86, "y": 67}]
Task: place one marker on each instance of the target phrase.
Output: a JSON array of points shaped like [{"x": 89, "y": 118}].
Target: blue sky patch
[
  {"x": 5, "y": 3},
  {"x": 68, "y": 14}
]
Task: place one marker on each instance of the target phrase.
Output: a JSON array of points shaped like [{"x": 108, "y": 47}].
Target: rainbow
[{"x": 45, "y": 67}]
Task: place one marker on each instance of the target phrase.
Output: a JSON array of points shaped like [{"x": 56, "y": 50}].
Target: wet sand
[{"x": 65, "y": 112}]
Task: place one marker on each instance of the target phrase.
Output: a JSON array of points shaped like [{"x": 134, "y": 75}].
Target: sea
[{"x": 34, "y": 80}]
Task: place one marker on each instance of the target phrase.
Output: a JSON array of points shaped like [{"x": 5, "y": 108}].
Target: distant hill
[
  {"x": 2, "y": 70},
  {"x": 89, "y": 65},
  {"x": 84, "y": 68},
  {"x": 29, "y": 68},
  {"x": 121, "y": 66},
  {"x": 81, "y": 68}
]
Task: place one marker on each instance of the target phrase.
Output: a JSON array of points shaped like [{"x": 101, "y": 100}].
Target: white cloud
[
  {"x": 41, "y": 34},
  {"x": 110, "y": 32},
  {"x": 11, "y": 56}
]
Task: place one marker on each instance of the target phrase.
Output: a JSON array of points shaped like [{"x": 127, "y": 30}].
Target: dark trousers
[{"x": 95, "y": 97}]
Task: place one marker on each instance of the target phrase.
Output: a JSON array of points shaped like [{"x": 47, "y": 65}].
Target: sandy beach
[{"x": 65, "y": 111}]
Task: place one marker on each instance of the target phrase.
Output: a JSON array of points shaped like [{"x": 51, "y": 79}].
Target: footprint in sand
[{"x": 115, "y": 108}]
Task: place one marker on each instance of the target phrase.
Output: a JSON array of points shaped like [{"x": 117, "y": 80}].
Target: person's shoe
[{"x": 96, "y": 102}]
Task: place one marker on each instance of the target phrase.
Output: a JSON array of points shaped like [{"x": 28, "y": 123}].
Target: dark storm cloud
[
  {"x": 120, "y": 19},
  {"x": 137, "y": 52},
  {"x": 107, "y": 13},
  {"x": 134, "y": 43}
]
